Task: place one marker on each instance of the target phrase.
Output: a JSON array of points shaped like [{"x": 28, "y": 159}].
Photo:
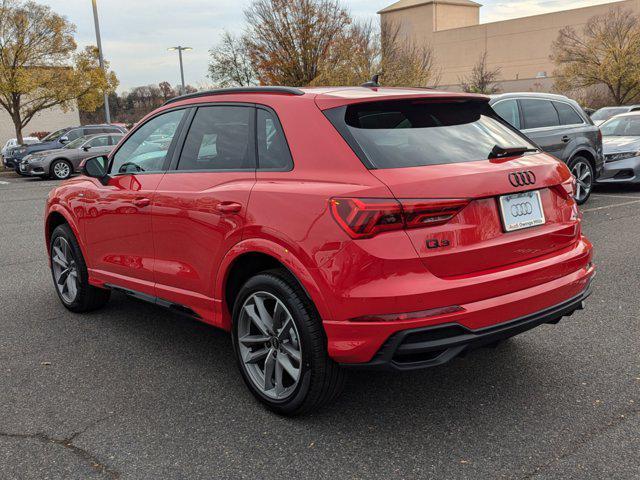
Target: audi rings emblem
[
  {"x": 522, "y": 179},
  {"x": 521, "y": 209}
]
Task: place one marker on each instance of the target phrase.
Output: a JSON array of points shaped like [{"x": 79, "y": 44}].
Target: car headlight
[{"x": 615, "y": 157}]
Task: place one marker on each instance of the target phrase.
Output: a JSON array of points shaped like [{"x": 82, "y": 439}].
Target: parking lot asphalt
[{"x": 136, "y": 392}]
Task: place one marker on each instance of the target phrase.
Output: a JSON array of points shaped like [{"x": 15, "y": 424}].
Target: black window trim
[{"x": 170, "y": 151}]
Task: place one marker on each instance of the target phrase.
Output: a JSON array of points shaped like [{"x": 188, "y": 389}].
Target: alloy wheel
[
  {"x": 61, "y": 170},
  {"x": 584, "y": 180},
  {"x": 65, "y": 270},
  {"x": 269, "y": 345}
]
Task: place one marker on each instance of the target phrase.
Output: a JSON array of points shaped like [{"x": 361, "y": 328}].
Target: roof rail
[{"x": 225, "y": 91}]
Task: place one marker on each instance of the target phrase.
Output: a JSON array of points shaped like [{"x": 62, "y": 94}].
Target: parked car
[
  {"x": 604, "y": 114},
  {"x": 621, "y": 137},
  {"x": 327, "y": 229},
  {"x": 560, "y": 127},
  {"x": 62, "y": 163},
  {"x": 13, "y": 142},
  {"x": 56, "y": 140}
]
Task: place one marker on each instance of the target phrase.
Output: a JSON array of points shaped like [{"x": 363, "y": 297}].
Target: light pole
[
  {"x": 107, "y": 114},
  {"x": 181, "y": 49}
]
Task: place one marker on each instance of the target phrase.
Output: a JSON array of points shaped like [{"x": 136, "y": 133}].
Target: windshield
[
  {"x": 417, "y": 133},
  {"x": 76, "y": 143},
  {"x": 54, "y": 136},
  {"x": 608, "y": 112},
  {"x": 621, "y": 127}
]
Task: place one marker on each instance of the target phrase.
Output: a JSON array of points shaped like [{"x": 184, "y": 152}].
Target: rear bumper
[
  {"x": 360, "y": 342},
  {"x": 431, "y": 346}
]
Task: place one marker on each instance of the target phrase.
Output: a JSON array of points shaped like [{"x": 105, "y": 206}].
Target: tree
[
  {"x": 606, "y": 51},
  {"x": 230, "y": 64},
  {"x": 39, "y": 68},
  {"x": 287, "y": 39},
  {"x": 167, "y": 90},
  {"x": 362, "y": 51},
  {"x": 482, "y": 79},
  {"x": 404, "y": 63}
]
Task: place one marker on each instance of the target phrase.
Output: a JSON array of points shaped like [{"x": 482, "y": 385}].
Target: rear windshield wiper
[{"x": 501, "y": 152}]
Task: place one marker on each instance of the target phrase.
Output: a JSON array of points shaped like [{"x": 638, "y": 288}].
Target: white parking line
[
  {"x": 613, "y": 196},
  {"x": 611, "y": 206},
  {"x": 2, "y": 182}
]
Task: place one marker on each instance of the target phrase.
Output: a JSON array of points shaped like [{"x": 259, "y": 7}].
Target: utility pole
[
  {"x": 107, "y": 113},
  {"x": 181, "y": 49}
]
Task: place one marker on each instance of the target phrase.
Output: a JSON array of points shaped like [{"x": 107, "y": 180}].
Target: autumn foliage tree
[
  {"x": 39, "y": 65},
  {"x": 288, "y": 39},
  {"x": 230, "y": 65},
  {"x": 605, "y": 52},
  {"x": 482, "y": 79},
  {"x": 364, "y": 50}
]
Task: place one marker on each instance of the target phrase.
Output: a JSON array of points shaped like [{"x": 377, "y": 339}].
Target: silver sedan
[
  {"x": 63, "y": 162},
  {"x": 621, "y": 143}
]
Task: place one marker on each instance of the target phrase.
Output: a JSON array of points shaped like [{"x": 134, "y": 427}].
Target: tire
[
  {"x": 73, "y": 288},
  {"x": 61, "y": 169},
  {"x": 319, "y": 378},
  {"x": 581, "y": 167}
]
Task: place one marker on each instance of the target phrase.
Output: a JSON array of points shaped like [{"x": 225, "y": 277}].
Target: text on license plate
[{"x": 521, "y": 210}]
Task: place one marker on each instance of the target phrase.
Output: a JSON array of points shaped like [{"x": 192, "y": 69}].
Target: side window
[
  {"x": 508, "y": 110},
  {"x": 101, "y": 141},
  {"x": 567, "y": 114},
  {"x": 219, "y": 139},
  {"x": 111, "y": 130},
  {"x": 74, "y": 134},
  {"x": 273, "y": 151},
  {"x": 114, "y": 139},
  {"x": 539, "y": 113},
  {"x": 146, "y": 149}
]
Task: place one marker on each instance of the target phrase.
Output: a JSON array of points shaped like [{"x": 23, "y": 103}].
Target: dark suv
[
  {"x": 559, "y": 126},
  {"x": 56, "y": 140}
]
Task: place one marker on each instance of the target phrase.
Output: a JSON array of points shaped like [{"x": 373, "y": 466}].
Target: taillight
[{"x": 366, "y": 217}]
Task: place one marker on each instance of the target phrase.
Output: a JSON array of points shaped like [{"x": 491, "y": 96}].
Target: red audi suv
[{"x": 327, "y": 229}]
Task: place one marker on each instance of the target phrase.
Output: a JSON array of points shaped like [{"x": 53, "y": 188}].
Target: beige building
[
  {"x": 520, "y": 47},
  {"x": 48, "y": 120}
]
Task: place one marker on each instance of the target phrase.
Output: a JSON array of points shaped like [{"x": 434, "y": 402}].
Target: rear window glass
[
  {"x": 568, "y": 116},
  {"x": 414, "y": 133}
]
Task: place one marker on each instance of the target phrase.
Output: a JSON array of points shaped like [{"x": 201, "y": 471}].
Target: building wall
[
  {"x": 520, "y": 47},
  {"x": 46, "y": 121}
]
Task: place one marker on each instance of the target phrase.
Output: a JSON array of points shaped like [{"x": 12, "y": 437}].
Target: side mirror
[
  {"x": 86, "y": 148},
  {"x": 64, "y": 140},
  {"x": 96, "y": 167}
]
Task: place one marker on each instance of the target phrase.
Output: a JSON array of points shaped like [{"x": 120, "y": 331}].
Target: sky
[{"x": 137, "y": 33}]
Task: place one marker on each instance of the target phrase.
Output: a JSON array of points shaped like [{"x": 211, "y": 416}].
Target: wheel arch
[
  {"x": 58, "y": 216},
  {"x": 253, "y": 256},
  {"x": 583, "y": 152}
]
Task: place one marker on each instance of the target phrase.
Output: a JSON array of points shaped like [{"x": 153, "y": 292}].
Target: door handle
[
  {"x": 566, "y": 139},
  {"x": 142, "y": 202},
  {"x": 228, "y": 207}
]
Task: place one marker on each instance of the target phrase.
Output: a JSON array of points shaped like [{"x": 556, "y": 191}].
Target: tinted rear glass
[{"x": 418, "y": 133}]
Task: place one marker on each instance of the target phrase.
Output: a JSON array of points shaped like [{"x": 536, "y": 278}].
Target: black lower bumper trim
[{"x": 431, "y": 346}]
